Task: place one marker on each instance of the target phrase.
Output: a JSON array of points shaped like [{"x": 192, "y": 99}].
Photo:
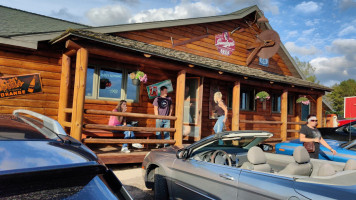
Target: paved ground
[{"x": 131, "y": 176}]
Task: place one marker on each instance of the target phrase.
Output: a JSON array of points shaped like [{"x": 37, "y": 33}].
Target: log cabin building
[{"x": 75, "y": 62}]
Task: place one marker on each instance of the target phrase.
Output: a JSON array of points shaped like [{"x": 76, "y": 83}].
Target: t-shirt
[
  {"x": 163, "y": 104},
  {"x": 312, "y": 133},
  {"x": 113, "y": 121}
]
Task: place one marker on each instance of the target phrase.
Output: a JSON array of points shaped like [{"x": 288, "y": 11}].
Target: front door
[{"x": 192, "y": 108}]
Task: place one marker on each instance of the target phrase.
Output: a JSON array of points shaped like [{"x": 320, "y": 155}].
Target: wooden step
[
  {"x": 124, "y": 141},
  {"x": 120, "y": 158}
]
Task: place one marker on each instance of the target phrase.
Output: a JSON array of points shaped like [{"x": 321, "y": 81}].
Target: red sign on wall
[
  {"x": 224, "y": 43},
  {"x": 350, "y": 107}
]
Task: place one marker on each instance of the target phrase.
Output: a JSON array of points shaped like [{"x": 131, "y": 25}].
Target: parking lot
[{"x": 131, "y": 176}]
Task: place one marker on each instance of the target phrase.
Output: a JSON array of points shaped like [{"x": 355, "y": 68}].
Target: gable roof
[
  {"x": 188, "y": 58},
  {"x": 18, "y": 22}
]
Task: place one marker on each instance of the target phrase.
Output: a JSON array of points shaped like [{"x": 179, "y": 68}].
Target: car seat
[
  {"x": 256, "y": 160},
  {"x": 326, "y": 170},
  {"x": 350, "y": 165},
  {"x": 301, "y": 166}
]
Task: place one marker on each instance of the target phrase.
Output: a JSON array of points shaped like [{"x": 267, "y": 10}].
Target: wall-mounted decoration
[
  {"x": 154, "y": 89},
  {"x": 20, "y": 85},
  {"x": 263, "y": 61},
  {"x": 224, "y": 43}
]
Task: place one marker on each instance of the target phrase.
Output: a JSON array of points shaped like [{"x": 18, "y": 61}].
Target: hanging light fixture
[{"x": 147, "y": 55}]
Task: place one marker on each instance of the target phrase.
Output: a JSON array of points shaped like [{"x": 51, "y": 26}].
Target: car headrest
[
  {"x": 350, "y": 165},
  {"x": 301, "y": 155},
  {"x": 326, "y": 170},
  {"x": 256, "y": 156}
]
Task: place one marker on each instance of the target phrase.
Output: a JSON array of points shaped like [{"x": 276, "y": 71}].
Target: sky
[{"x": 322, "y": 32}]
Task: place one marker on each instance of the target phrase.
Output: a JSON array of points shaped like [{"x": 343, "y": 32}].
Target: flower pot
[{"x": 135, "y": 82}]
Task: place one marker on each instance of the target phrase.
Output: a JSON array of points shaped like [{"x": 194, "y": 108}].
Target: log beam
[
  {"x": 235, "y": 106},
  {"x": 72, "y": 45},
  {"x": 127, "y": 128},
  {"x": 123, "y": 141},
  {"x": 79, "y": 93},
  {"x": 284, "y": 114},
  {"x": 319, "y": 110},
  {"x": 64, "y": 89},
  {"x": 180, "y": 88},
  {"x": 125, "y": 114}
]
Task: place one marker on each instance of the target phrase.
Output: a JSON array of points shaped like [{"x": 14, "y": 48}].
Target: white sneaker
[
  {"x": 125, "y": 150},
  {"x": 137, "y": 145}
]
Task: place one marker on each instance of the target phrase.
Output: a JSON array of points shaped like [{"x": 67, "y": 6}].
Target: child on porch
[{"x": 121, "y": 121}]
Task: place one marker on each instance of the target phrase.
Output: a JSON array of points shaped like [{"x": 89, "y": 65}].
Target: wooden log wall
[
  {"x": 20, "y": 63},
  {"x": 206, "y": 46}
]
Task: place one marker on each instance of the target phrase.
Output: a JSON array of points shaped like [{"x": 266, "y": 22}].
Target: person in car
[
  {"x": 121, "y": 121},
  {"x": 309, "y": 133},
  {"x": 221, "y": 111}
]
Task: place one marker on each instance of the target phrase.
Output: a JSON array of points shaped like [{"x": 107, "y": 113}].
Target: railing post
[
  {"x": 180, "y": 88},
  {"x": 79, "y": 93},
  {"x": 235, "y": 106},
  {"x": 284, "y": 114},
  {"x": 319, "y": 110},
  {"x": 64, "y": 89}
]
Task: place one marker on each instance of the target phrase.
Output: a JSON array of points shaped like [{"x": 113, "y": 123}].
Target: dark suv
[{"x": 38, "y": 160}]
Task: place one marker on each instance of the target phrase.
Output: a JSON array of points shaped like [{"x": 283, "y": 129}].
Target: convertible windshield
[{"x": 23, "y": 128}]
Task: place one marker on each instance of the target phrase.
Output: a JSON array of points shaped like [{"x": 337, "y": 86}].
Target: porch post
[
  {"x": 235, "y": 107},
  {"x": 298, "y": 109},
  {"x": 79, "y": 93},
  {"x": 178, "y": 135},
  {"x": 319, "y": 110},
  {"x": 64, "y": 89},
  {"x": 284, "y": 114}
]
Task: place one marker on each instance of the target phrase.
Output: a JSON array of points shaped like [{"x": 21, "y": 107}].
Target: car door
[
  {"x": 259, "y": 185},
  {"x": 193, "y": 179}
]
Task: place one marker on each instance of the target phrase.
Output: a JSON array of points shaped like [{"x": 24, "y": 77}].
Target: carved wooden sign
[
  {"x": 224, "y": 43},
  {"x": 20, "y": 85}
]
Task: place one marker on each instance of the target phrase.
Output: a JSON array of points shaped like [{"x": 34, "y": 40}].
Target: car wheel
[{"x": 160, "y": 186}]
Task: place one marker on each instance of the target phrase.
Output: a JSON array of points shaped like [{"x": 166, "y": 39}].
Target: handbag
[{"x": 309, "y": 146}]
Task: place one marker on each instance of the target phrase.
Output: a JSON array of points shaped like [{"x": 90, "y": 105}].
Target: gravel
[{"x": 131, "y": 176}]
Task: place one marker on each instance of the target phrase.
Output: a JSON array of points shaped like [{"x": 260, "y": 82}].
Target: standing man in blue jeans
[{"x": 163, "y": 106}]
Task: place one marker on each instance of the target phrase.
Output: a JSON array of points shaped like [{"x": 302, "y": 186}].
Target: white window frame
[{"x": 96, "y": 84}]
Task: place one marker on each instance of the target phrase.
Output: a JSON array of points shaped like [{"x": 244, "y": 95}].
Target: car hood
[{"x": 22, "y": 155}]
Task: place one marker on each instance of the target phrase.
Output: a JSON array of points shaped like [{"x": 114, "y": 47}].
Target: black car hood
[{"x": 24, "y": 154}]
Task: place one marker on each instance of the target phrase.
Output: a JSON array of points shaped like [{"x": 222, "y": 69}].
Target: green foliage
[
  {"x": 344, "y": 89},
  {"x": 263, "y": 95},
  {"x": 307, "y": 69}
]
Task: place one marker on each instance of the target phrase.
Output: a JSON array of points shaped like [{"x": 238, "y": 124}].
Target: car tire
[{"x": 160, "y": 186}]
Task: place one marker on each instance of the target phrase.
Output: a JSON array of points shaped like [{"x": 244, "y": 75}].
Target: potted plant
[
  {"x": 137, "y": 77},
  {"x": 262, "y": 96},
  {"x": 304, "y": 100}
]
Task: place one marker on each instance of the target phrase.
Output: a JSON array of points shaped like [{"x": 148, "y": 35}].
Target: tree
[
  {"x": 307, "y": 69},
  {"x": 344, "y": 89}
]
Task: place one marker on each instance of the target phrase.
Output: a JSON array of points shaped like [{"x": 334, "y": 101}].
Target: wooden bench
[{"x": 97, "y": 133}]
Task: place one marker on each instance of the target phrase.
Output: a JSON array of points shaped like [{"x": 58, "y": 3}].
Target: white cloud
[
  {"x": 336, "y": 69},
  {"x": 308, "y": 7},
  {"x": 181, "y": 11},
  {"x": 348, "y": 30},
  {"x": 312, "y": 22},
  {"x": 305, "y": 51},
  {"x": 308, "y": 32},
  {"x": 292, "y": 34},
  {"x": 109, "y": 15}
]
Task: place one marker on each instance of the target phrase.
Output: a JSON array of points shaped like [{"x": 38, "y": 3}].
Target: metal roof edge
[{"x": 18, "y": 43}]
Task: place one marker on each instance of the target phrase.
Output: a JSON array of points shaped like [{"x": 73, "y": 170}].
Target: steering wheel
[{"x": 220, "y": 157}]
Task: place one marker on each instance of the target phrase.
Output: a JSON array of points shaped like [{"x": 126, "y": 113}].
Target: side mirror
[
  {"x": 181, "y": 154},
  {"x": 346, "y": 129},
  {"x": 266, "y": 147}
]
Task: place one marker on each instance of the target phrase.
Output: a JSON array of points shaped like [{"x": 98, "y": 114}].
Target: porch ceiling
[{"x": 188, "y": 58}]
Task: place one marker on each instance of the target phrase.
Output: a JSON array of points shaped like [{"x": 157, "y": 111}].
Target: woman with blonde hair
[
  {"x": 121, "y": 121},
  {"x": 221, "y": 111}
]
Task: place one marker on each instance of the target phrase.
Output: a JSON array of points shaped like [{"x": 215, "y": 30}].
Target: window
[
  {"x": 290, "y": 104},
  {"x": 247, "y": 97},
  {"x": 276, "y": 103},
  {"x": 106, "y": 83}
]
